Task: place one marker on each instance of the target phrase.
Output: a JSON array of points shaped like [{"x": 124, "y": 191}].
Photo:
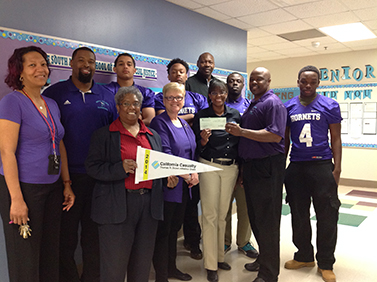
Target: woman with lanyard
[{"x": 33, "y": 157}]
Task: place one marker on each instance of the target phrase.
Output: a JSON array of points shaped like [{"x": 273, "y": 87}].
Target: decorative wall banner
[
  {"x": 153, "y": 165},
  {"x": 151, "y": 70},
  {"x": 358, "y": 105}
]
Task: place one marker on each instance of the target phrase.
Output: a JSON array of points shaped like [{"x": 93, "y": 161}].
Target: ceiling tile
[
  {"x": 212, "y": 13},
  {"x": 366, "y": 42},
  {"x": 367, "y": 14},
  {"x": 371, "y": 24},
  {"x": 319, "y": 8},
  {"x": 267, "y": 40},
  {"x": 186, "y": 4},
  {"x": 267, "y": 18},
  {"x": 330, "y": 20},
  {"x": 238, "y": 23},
  {"x": 209, "y": 2},
  {"x": 237, "y": 8},
  {"x": 280, "y": 46},
  {"x": 255, "y": 33},
  {"x": 255, "y": 50},
  {"x": 295, "y": 51},
  {"x": 322, "y": 40},
  {"x": 286, "y": 27},
  {"x": 359, "y": 4}
]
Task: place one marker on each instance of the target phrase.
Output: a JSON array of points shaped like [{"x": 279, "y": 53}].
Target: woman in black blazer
[{"x": 127, "y": 213}]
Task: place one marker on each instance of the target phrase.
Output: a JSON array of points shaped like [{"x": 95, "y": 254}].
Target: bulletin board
[{"x": 151, "y": 70}]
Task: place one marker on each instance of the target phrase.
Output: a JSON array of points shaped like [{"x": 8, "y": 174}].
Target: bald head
[
  {"x": 260, "y": 79},
  {"x": 263, "y": 71},
  {"x": 206, "y": 64}
]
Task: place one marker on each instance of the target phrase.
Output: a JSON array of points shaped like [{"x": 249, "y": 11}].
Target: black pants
[
  {"x": 306, "y": 181},
  {"x": 128, "y": 247},
  {"x": 165, "y": 252},
  {"x": 35, "y": 259},
  {"x": 263, "y": 182},
  {"x": 82, "y": 186},
  {"x": 191, "y": 226}
]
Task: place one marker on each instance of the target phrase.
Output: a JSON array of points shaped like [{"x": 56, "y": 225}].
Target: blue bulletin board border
[
  {"x": 359, "y": 145},
  {"x": 71, "y": 44}
]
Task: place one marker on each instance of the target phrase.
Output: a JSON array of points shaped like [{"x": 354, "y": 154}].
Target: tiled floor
[{"x": 356, "y": 251}]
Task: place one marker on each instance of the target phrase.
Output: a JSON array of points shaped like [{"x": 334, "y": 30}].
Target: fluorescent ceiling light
[{"x": 348, "y": 32}]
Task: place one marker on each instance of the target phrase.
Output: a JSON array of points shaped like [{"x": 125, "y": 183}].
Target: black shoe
[
  {"x": 212, "y": 276},
  {"x": 177, "y": 274},
  {"x": 254, "y": 266},
  {"x": 224, "y": 266},
  {"x": 258, "y": 279},
  {"x": 196, "y": 253}
]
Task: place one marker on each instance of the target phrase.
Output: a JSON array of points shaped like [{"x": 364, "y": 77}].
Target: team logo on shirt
[
  {"x": 306, "y": 116},
  {"x": 101, "y": 104}
]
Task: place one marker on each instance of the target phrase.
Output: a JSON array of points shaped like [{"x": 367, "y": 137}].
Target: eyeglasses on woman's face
[
  {"x": 175, "y": 98},
  {"x": 126, "y": 104}
]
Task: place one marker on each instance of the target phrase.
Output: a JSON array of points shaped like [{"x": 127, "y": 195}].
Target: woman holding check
[{"x": 217, "y": 148}]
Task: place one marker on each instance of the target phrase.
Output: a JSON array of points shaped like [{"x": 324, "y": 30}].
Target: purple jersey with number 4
[{"x": 310, "y": 126}]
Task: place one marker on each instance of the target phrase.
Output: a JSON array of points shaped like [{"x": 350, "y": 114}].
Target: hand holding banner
[{"x": 153, "y": 165}]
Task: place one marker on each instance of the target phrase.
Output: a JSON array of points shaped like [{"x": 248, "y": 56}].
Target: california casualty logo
[{"x": 171, "y": 165}]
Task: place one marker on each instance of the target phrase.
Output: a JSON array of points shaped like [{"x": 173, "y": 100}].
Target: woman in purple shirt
[
  {"x": 31, "y": 193},
  {"x": 177, "y": 139}
]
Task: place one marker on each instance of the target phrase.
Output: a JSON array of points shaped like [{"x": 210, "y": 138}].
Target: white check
[
  {"x": 213, "y": 123},
  {"x": 153, "y": 165}
]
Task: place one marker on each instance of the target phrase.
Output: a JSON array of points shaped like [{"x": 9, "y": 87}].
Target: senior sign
[{"x": 153, "y": 164}]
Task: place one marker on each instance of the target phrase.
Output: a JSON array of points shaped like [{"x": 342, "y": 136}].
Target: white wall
[{"x": 358, "y": 163}]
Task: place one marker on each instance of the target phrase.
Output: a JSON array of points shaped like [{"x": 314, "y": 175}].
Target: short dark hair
[
  {"x": 84, "y": 49},
  {"x": 234, "y": 73},
  {"x": 217, "y": 83},
  {"x": 177, "y": 61},
  {"x": 309, "y": 68},
  {"x": 15, "y": 65},
  {"x": 124, "y": 54}
]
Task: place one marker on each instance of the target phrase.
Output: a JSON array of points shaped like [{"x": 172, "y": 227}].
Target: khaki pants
[
  {"x": 216, "y": 188},
  {"x": 243, "y": 223}
]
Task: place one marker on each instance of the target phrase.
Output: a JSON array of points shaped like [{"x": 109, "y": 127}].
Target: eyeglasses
[
  {"x": 217, "y": 93},
  {"x": 171, "y": 98},
  {"x": 126, "y": 104}
]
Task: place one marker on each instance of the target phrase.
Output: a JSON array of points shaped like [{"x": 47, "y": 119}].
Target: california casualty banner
[{"x": 153, "y": 165}]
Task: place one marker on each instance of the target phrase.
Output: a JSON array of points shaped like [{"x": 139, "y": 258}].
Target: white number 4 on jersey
[{"x": 306, "y": 135}]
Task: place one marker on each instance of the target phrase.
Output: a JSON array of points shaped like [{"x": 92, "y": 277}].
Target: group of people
[{"x": 69, "y": 160}]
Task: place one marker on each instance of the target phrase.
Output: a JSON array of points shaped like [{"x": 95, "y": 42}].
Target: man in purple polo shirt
[
  {"x": 261, "y": 149},
  {"x": 125, "y": 68},
  {"x": 235, "y": 83}
]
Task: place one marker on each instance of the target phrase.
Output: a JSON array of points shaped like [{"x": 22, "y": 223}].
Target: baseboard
[{"x": 358, "y": 183}]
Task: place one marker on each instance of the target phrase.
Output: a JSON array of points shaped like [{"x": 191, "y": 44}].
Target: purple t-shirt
[
  {"x": 34, "y": 141},
  {"x": 268, "y": 113},
  {"x": 310, "y": 126},
  {"x": 175, "y": 141},
  {"x": 194, "y": 102},
  {"x": 241, "y": 104},
  {"x": 148, "y": 94}
]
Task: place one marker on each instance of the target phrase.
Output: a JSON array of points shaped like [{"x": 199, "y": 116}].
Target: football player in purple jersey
[{"x": 313, "y": 173}]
